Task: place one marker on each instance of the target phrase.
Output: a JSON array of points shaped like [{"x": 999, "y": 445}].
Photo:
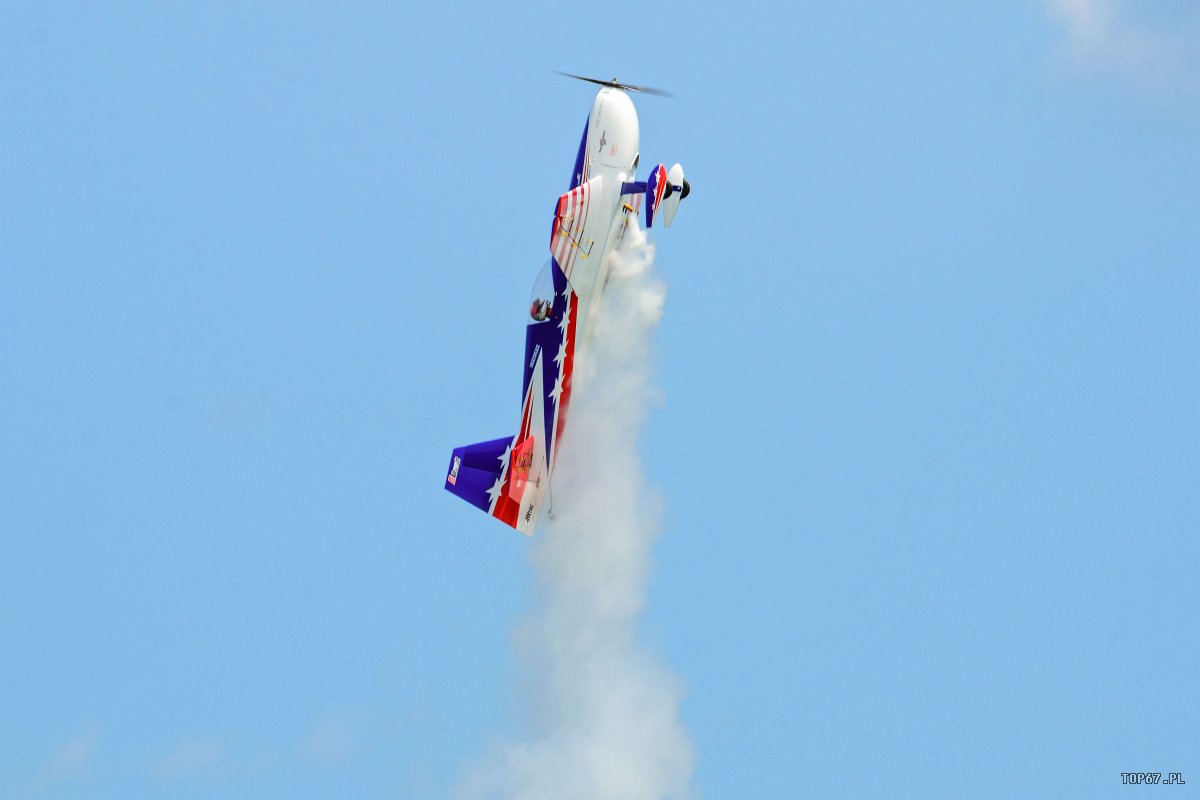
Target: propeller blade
[
  {"x": 647, "y": 90},
  {"x": 614, "y": 83},
  {"x": 582, "y": 78}
]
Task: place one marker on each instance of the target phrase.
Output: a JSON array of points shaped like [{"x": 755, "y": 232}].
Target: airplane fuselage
[{"x": 509, "y": 477}]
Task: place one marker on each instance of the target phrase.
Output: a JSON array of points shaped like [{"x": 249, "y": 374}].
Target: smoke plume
[{"x": 603, "y": 710}]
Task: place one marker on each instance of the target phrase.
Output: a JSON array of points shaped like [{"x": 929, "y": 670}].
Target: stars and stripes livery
[{"x": 509, "y": 477}]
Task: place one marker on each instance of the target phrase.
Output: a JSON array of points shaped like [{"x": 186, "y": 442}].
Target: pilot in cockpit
[{"x": 540, "y": 310}]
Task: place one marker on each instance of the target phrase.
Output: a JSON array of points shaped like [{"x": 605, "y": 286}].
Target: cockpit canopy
[{"x": 541, "y": 298}]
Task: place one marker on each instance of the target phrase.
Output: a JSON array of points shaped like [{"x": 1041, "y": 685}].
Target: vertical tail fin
[
  {"x": 502, "y": 478},
  {"x": 475, "y": 469}
]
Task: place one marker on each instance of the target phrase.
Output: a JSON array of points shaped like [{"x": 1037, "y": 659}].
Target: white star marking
[
  {"x": 562, "y": 353},
  {"x": 557, "y": 391},
  {"x": 566, "y": 321},
  {"x": 503, "y": 459},
  {"x": 494, "y": 492}
]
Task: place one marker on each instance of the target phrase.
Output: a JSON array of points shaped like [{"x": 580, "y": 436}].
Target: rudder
[{"x": 474, "y": 470}]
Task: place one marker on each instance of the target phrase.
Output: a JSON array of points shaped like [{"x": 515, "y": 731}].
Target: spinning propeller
[{"x": 614, "y": 83}]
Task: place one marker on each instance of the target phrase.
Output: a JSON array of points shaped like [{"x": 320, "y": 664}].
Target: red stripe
[
  {"x": 569, "y": 254},
  {"x": 572, "y": 211},
  {"x": 585, "y": 192},
  {"x": 557, "y": 242},
  {"x": 587, "y": 197},
  {"x": 576, "y": 211},
  {"x": 506, "y": 509}
]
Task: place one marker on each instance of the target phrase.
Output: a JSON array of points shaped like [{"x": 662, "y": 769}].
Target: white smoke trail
[{"x": 604, "y": 710}]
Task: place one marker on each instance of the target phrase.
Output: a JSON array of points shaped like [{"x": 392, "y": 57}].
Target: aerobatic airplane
[{"x": 509, "y": 477}]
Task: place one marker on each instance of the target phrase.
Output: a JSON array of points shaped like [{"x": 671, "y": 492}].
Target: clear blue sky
[{"x": 929, "y": 443}]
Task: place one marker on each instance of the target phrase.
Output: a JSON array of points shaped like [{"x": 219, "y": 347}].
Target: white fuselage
[
  {"x": 508, "y": 478},
  {"x": 611, "y": 152}
]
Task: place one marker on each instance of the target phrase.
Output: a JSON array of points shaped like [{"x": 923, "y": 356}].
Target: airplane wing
[{"x": 576, "y": 231}]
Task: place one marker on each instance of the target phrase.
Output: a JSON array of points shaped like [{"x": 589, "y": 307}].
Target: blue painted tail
[{"x": 475, "y": 468}]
